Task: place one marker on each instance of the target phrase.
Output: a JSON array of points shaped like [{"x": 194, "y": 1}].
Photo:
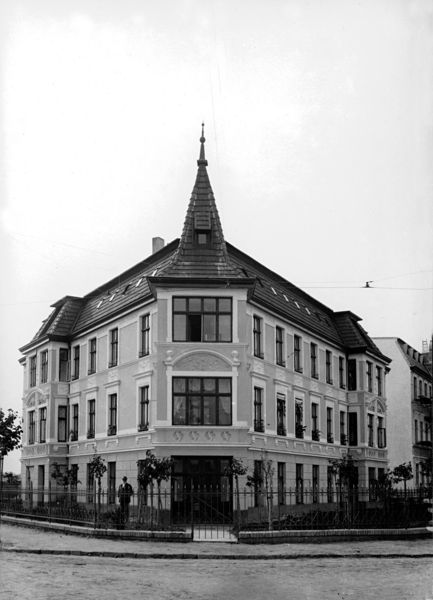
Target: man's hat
[{"x": 124, "y": 478}]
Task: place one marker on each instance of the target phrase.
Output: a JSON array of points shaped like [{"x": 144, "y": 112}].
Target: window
[
  {"x": 329, "y": 425},
  {"x": 330, "y": 484},
  {"x": 279, "y": 347},
  {"x": 257, "y": 333},
  {"x": 353, "y": 429},
  {"x": 112, "y": 414},
  {"x": 144, "y": 335},
  {"x": 281, "y": 474},
  {"x": 419, "y": 387},
  {"x": 42, "y": 424},
  {"x": 329, "y": 367},
  {"x": 202, "y": 319},
  {"x": 91, "y": 419},
  {"x": 74, "y": 430},
  {"x": 144, "y": 409},
  {"x": 341, "y": 372},
  {"x": 343, "y": 436},
  {"x": 417, "y": 474},
  {"x": 92, "y": 357},
  {"x": 90, "y": 482},
  {"x": 114, "y": 346},
  {"x": 370, "y": 430},
  {"x": 313, "y": 356},
  {"x": 299, "y": 484},
  {"x": 111, "y": 472},
  {"x": 379, "y": 380},
  {"x": 381, "y": 434},
  {"x": 202, "y": 401},
  {"x": 32, "y": 426},
  {"x": 76, "y": 359},
  {"x": 44, "y": 366},
  {"x": 62, "y": 420},
  {"x": 372, "y": 482},
  {"x": 281, "y": 414},
  {"x": 297, "y": 359},
  {"x": 299, "y": 419},
  {"x": 351, "y": 374},
  {"x": 416, "y": 431},
  {"x": 259, "y": 424},
  {"x": 414, "y": 388},
  {"x": 369, "y": 376},
  {"x": 32, "y": 371},
  {"x": 64, "y": 364},
  {"x": 315, "y": 478},
  {"x": 315, "y": 432}
]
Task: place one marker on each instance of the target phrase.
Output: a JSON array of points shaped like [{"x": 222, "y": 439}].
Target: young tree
[
  {"x": 154, "y": 469},
  {"x": 402, "y": 473},
  {"x": 344, "y": 469},
  {"x": 236, "y": 469},
  {"x": 265, "y": 477},
  {"x": 12, "y": 479},
  {"x": 97, "y": 470},
  {"x": 10, "y": 432}
]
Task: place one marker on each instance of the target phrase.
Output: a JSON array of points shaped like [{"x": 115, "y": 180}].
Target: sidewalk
[{"x": 16, "y": 538}]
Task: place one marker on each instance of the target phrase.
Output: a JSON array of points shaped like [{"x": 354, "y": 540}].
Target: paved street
[
  {"x": 35, "y": 577},
  {"x": 400, "y": 569}
]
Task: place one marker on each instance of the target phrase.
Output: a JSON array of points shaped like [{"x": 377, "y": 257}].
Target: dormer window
[{"x": 202, "y": 227}]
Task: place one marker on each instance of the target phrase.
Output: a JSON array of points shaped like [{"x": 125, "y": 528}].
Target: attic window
[
  {"x": 297, "y": 304},
  {"x": 100, "y": 302},
  {"x": 154, "y": 272},
  {"x": 112, "y": 296},
  {"x": 139, "y": 281},
  {"x": 318, "y": 316},
  {"x": 126, "y": 289},
  {"x": 285, "y": 298},
  {"x": 307, "y": 310},
  {"x": 260, "y": 281},
  {"x": 245, "y": 272},
  {"x": 273, "y": 289},
  {"x": 202, "y": 221}
]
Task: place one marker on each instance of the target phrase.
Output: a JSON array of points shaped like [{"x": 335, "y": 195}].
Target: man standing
[{"x": 125, "y": 493}]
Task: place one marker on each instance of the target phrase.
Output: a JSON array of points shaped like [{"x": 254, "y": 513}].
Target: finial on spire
[{"x": 202, "y": 160}]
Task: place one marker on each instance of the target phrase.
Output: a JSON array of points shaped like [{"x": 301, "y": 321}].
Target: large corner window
[
  {"x": 144, "y": 335},
  {"x": 202, "y": 401},
  {"x": 202, "y": 319}
]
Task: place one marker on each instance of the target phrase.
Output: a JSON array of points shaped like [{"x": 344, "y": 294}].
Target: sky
[{"x": 318, "y": 124}]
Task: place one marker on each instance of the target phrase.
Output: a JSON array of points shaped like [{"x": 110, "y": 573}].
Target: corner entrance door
[{"x": 201, "y": 490}]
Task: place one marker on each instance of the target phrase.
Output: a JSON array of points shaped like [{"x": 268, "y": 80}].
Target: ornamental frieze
[{"x": 201, "y": 362}]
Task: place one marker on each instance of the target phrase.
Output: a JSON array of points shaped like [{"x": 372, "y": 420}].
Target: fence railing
[{"x": 175, "y": 508}]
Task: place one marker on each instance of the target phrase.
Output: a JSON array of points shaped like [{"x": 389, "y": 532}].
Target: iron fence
[{"x": 252, "y": 509}]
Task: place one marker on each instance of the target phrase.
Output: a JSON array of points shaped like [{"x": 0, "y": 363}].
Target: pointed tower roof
[{"x": 202, "y": 251}]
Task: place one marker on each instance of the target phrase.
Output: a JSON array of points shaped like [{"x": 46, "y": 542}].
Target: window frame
[
  {"x": 279, "y": 346},
  {"x": 259, "y": 421},
  {"x": 32, "y": 371},
  {"x": 330, "y": 424},
  {"x": 329, "y": 378},
  {"x": 92, "y": 356},
  {"x": 144, "y": 335},
  {"x": 144, "y": 403},
  {"x": 341, "y": 375},
  {"x": 76, "y": 362},
  {"x": 369, "y": 375},
  {"x": 281, "y": 414},
  {"x": 43, "y": 425},
  {"x": 112, "y": 414},
  {"x": 44, "y": 366},
  {"x": 257, "y": 337},
  {"x": 379, "y": 380},
  {"x": 64, "y": 365},
  {"x": 189, "y": 327},
  {"x": 31, "y": 427},
  {"x": 299, "y": 418},
  {"x": 91, "y": 418},
  {"x": 75, "y": 421},
  {"x": 62, "y": 423},
  {"x": 297, "y": 354},
  {"x": 113, "y": 359},
  {"x": 314, "y": 368},
  {"x": 370, "y": 430}
]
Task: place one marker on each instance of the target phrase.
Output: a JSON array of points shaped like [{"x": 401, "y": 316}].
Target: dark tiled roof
[
  {"x": 192, "y": 259},
  {"x": 415, "y": 363},
  {"x": 354, "y": 335}
]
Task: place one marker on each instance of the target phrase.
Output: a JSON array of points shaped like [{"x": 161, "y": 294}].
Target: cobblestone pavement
[
  {"x": 41, "y": 577},
  {"x": 13, "y": 537}
]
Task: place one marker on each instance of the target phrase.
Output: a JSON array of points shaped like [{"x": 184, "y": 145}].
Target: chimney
[{"x": 157, "y": 244}]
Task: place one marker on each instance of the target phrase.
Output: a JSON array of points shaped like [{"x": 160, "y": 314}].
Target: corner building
[{"x": 201, "y": 353}]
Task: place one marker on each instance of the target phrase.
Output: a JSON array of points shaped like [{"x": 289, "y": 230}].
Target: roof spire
[{"x": 202, "y": 160}]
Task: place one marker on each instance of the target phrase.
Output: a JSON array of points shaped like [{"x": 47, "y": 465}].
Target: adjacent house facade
[
  {"x": 202, "y": 354},
  {"x": 409, "y": 406}
]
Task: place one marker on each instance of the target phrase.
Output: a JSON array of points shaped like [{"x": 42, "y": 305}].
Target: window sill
[
  {"x": 91, "y": 371},
  {"x": 141, "y": 354},
  {"x": 111, "y": 365}
]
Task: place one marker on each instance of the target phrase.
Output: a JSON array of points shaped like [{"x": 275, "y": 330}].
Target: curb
[{"x": 159, "y": 556}]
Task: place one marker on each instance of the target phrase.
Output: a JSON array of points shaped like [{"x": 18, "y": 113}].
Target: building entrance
[{"x": 201, "y": 492}]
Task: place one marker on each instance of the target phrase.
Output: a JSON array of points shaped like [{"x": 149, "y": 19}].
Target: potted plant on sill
[
  {"x": 300, "y": 430},
  {"x": 315, "y": 435},
  {"x": 343, "y": 439}
]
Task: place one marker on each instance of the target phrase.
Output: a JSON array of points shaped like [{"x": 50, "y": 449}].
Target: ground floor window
[
  {"x": 299, "y": 484},
  {"x": 315, "y": 483},
  {"x": 111, "y": 470},
  {"x": 281, "y": 470}
]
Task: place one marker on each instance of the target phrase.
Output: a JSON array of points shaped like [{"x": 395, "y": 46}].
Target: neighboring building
[
  {"x": 409, "y": 411},
  {"x": 201, "y": 353}
]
